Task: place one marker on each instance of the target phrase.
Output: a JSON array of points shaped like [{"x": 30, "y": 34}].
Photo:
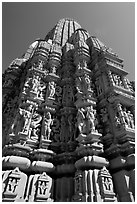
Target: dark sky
[{"x": 112, "y": 22}]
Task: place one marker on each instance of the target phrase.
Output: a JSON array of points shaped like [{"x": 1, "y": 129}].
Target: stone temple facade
[{"x": 68, "y": 122}]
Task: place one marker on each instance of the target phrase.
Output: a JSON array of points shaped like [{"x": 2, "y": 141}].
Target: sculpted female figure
[
  {"x": 91, "y": 119},
  {"x": 48, "y": 121},
  {"x": 81, "y": 121},
  {"x": 51, "y": 89},
  {"x": 35, "y": 126}
]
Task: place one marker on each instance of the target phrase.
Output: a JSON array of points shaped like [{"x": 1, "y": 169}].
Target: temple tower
[{"x": 68, "y": 122}]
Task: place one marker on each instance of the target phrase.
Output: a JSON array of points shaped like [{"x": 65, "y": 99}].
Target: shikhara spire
[{"x": 68, "y": 121}]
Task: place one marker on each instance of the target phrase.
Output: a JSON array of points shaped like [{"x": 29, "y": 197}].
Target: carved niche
[
  {"x": 39, "y": 188},
  {"x": 35, "y": 129},
  {"x": 14, "y": 188},
  {"x": 106, "y": 185},
  {"x": 44, "y": 184},
  {"x": 124, "y": 116},
  {"x": 46, "y": 126},
  {"x": 68, "y": 95},
  {"x": 67, "y": 127}
]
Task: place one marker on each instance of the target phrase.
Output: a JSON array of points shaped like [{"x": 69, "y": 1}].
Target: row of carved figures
[
  {"x": 125, "y": 117},
  {"x": 120, "y": 81},
  {"x": 29, "y": 122}
]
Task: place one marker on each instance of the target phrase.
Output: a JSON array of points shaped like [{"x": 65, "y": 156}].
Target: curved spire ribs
[{"x": 63, "y": 31}]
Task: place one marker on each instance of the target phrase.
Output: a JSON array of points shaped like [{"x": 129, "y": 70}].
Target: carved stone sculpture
[
  {"x": 35, "y": 84},
  {"x": 35, "y": 126},
  {"x": 48, "y": 121},
  {"x": 117, "y": 121},
  {"x": 68, "y": 117},
  {"x": 81, "y": 121},
  {"x": 51, "y": 89},
  {"x": 117, "y": 80},
  {"x": 40, "y": 93},
  {"x": 25, "y": 120},
  {"x": 92, "y": 120},
  {"x": 88, "y": 82},
  {"x": 127, "y": 122}
]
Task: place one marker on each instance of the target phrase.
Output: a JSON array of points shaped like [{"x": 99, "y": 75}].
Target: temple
[{"x": 68, "y": 122}]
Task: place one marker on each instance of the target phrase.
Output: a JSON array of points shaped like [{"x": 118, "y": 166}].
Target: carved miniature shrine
[{"x": 68, "y": 122}]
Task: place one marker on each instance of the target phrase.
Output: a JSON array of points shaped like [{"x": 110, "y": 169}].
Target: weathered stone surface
[
  {"x": 40, "y": 166},
  {"x": 123, "y": 186},
  {"x": 91, "y": 162},
  {"x": 16, "y": 161},
  {"x": 68, "y": 111}
]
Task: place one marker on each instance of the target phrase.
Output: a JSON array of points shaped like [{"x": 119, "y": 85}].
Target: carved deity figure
[
  {"x": 87, "y": 120},
  {"x": 48, "y": 121},
  {"x": 88, "y": 82},
  {"x": 82, "y": 84},
  {"x": 25, "y": 118},
  {"x": 129, "y": 84},
  {"x": 79, "y": 67},
  {"x": 51, "y": 89},
  {"x": 92, "y": 120},
  {"x": 12, "y": 185},
  {"x": 27, "y": 85},
  {"x": 53, "y": 69},
  {"x": 85, "y": 64},
  {"x": 110, "y": 77},
  {"x": 40, "y": 64},
  {"x": 35, "y": 126},
  {"x": 117, "y": 121},
  {"x": 78, "y": 85},
  {"x": 131, "y": 119},
  {"x": 107, "y": 183},
  {"x": 81, "y": 121},
  {"x": 35, "y": 84},
  {"x": 40, "y": 93},
  {"x": 126, "y": 118},
  {"x": 42, "y": 187},
  {"x": 117, "y": 80}
]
